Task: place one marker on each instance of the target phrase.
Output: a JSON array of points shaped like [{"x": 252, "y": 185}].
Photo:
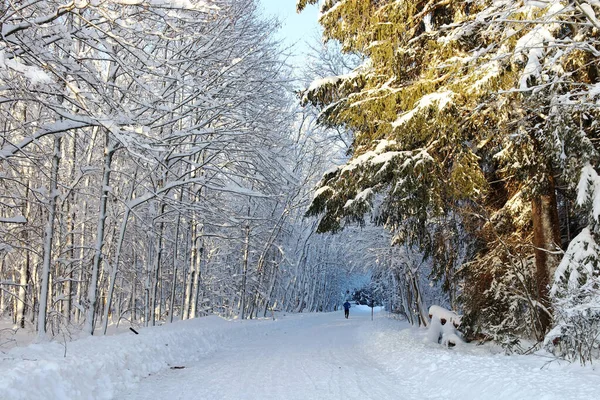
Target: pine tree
[{"x": 464, "y": 106}]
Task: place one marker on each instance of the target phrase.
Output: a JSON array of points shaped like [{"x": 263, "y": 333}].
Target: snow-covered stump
[{"x": 443, "y": 327}]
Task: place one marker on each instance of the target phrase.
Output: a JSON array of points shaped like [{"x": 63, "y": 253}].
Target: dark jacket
[{"x": 346, "y": 306}]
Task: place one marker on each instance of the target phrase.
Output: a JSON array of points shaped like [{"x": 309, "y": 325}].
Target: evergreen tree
[{"x": 472, "y": 107}]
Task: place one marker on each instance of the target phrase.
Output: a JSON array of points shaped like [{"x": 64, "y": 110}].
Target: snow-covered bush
[
  {"x": 500, "y": 294},
  {"x": 443, "y": 327},
  {"x": 576, "y": 298}
]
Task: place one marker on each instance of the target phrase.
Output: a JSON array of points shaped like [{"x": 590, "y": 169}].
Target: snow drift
[{"x": 99, "y": 367}]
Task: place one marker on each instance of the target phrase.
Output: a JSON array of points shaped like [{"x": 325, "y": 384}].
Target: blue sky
[{"x": 296, "y": 28}]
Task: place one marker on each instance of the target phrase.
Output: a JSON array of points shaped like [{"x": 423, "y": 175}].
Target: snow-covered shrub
[
  {"x": 576, "y": 301},
  {"x": 499, "y": 295},
  {"x": 443, "y": 327}
]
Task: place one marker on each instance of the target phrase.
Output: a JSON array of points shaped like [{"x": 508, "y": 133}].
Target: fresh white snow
[
  {"x": 589, "y": 185},
  {"x": 441, "y": 100},
  {"x": 303, "y": 356},
  {"x": 34, "y": 74}
]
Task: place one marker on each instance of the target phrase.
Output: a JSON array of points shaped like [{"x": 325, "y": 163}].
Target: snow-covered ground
[
  {"x": 305, "y": 356},
  {"x": 10, "y": 337}
]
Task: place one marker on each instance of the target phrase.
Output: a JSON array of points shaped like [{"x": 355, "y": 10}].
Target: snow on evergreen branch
[
  {"x": 589, "y": 189},
  {"x": 578, "y": 264},
  {"x": 439, "y": 99}
]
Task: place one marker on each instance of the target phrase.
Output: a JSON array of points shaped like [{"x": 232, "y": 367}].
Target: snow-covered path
[
  {"x": 306, "y": 357},
  {"x": 324, "y": 356}
]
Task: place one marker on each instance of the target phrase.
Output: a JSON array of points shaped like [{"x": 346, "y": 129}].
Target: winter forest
[{"x": 162, "y": 160}]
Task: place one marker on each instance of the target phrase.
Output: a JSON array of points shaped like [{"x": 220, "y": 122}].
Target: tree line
[{"x": 154, "y": 167}]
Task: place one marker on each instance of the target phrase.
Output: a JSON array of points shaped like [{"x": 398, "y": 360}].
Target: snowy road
[
  {"x": 315, "y": 357},
  {"x": 307, "y": 356},
  {"x": 325, "y": 356}
]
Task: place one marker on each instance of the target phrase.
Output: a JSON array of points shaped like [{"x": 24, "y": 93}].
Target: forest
[{"x": 160, "y": 160}]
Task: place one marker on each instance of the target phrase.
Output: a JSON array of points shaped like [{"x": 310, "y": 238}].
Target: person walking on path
[{"x": 346, "y": 309}]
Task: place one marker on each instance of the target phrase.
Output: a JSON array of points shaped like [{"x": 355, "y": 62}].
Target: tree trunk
[
  {"x": 156, "y": 266},
  {"x": 196, "y": 298},
  {"x": 147, "y": 292},
  {"x": 187, "y": 300},
  {"x": 93, "y": 285},
  {"x": 245, "y": 267},
  {"x": 71, "y": 235},
  {"x": 48, "y": 240},
  {"x": 34, "y": 284},
  {"x": 25, "y": 269},
  {"x": 132, "y": 301},
  {"x": 2, "y": 295},
  {"x": 117, "y": 257},
  {"x": 22, "y": 294},
  {"x": 272, "y": 284},
  {"x": 546, "y": 241},
  {"x": 421, "y": 313},
  {"x": 174, "y": 279}
]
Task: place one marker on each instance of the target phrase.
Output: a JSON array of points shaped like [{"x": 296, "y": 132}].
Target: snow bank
[
  {"x": 99, "y": 367},
  {"x": 471, "y": 372}
]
